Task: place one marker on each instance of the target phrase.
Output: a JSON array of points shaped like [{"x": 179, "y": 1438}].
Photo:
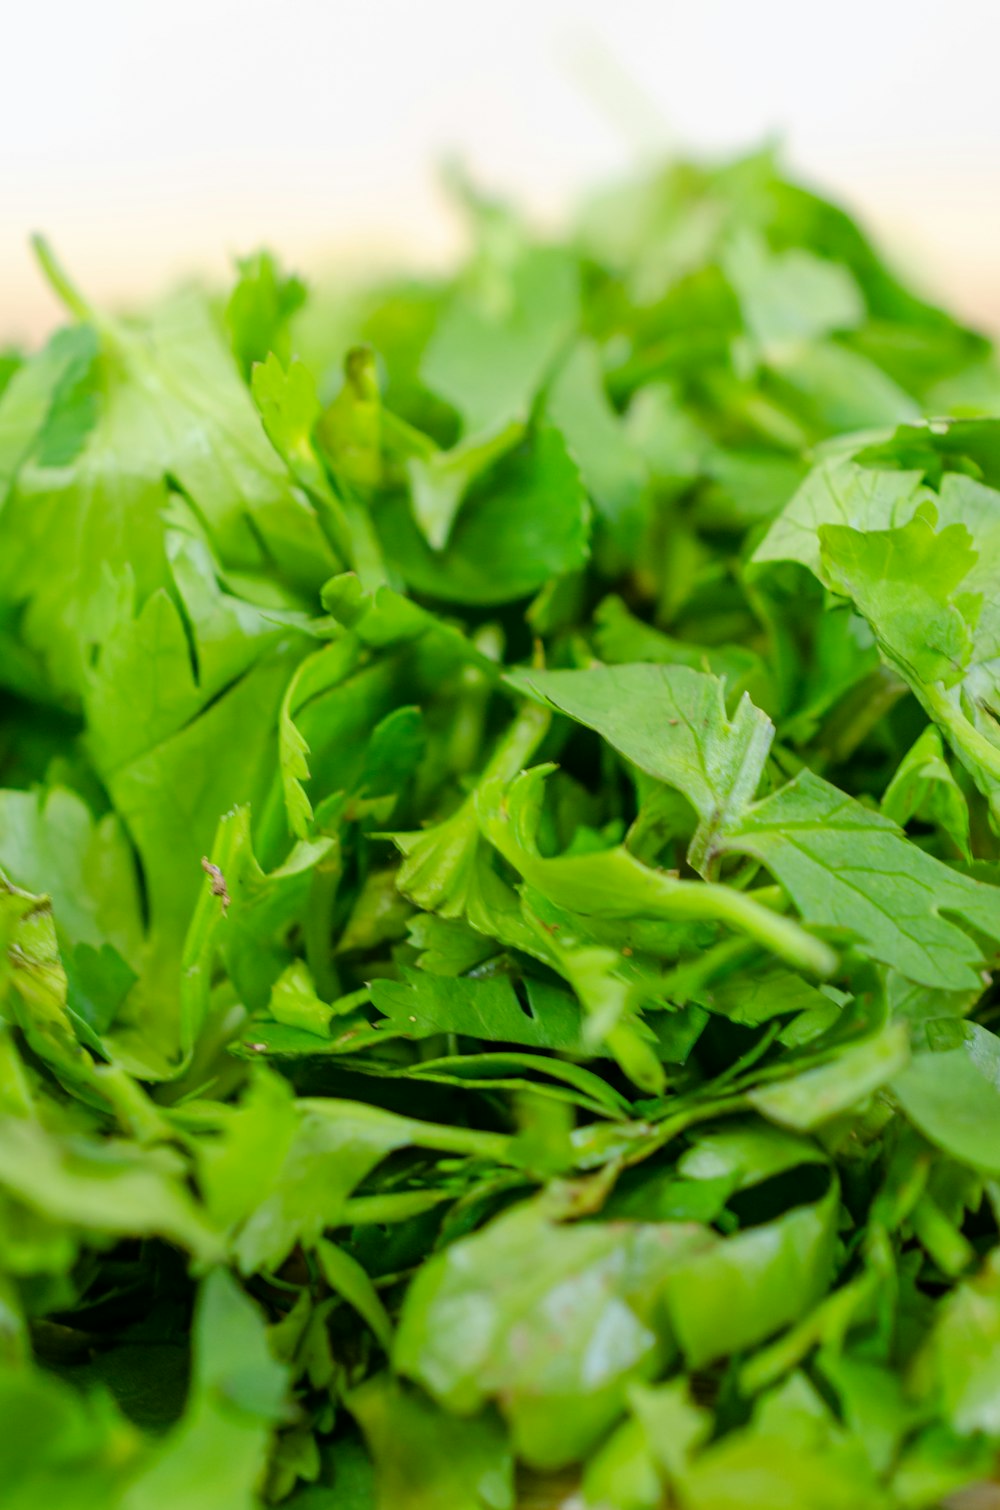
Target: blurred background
[{"x": 151, "y": 142}]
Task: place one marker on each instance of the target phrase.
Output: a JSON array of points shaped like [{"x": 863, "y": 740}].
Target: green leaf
[
  {"x": 440, "y": 480},
  {"x": 846, "y": 867},
  {"x": 841, "y": 491},
  {"x": 294, "y": 1001},
  {"x": 923, "y": 787},
  {"x": 318, "y": 674},
  {"x": 552, "y": 1321},
  {"x": 420, "y": 1006},
  {"x": 442, "y": 869},
  {"x": 611, "y": 883},
  {"x": 959, "y": 1360},
  {"x": 289, "y": 406},
  {"x": 926, "y": 591},
  {"x": 745, "y": 1153},
  {"x": 50, "y": 842},
  {"x": 611, "y": 467},
  {"x": 171, "y": 412},
  {"x": 260, "y": 306},
  {"x": 350, "y": 429},
  {"x": 335, "y": 1145},
  {"x": 248, "y": 1148},
  {"x": 489, "y": 355},
  {"x": 793, "y": 1453},
  {"x": 346, "y": 1276},
  {"x": 790, "y": 296},
  {"x": 530, "y": 524},
  {"x": 217, "y": 1453},
  {"x": 32, "y": 397},
  {"x": 816, "y": 1096},
  {"x": 104, "y": 1188},
  {"x": 620, "y": 638},
  {"x": 59, "y": 1446},
  {"x": 545, "y": 1078},
  {"x": 903, "y": 581},
  {"x": 770, "y": 1275},
  {"x": 424, "y": 1458},
  {"x": 355, "y": 1008},
  {"x": 951, "y": 1091},
  {"x": 835, "y": 389},
  {"x": 672, "y": 723}
]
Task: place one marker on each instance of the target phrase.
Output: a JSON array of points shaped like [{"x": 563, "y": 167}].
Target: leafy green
[
  {"x": 515, "y": 1288},
  {"x": 424, "y": 1457},
  {"x": 843, "y": 866},
  {"x": 671, "y": 722},
  {"x": 530, "y": 525},
  {"x": 951, "y": 1090},
  {"x": 925, "y": 788},
  {"x": 500, "y": 879},
  {"x": 420, "y": 1006},
  {"x": 498, "y": 336}
]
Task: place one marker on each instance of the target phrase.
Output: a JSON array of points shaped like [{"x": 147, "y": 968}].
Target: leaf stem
[
  {"x": 781, "y": 935},
  {"x": 59, "y": 281},
  {"x": 318, "y": 926}
]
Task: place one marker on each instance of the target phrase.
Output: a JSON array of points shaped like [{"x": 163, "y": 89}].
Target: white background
[{"x": 153, "y": 140}]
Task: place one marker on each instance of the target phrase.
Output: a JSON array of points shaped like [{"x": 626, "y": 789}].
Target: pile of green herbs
[{"x": 501, "y": 784}]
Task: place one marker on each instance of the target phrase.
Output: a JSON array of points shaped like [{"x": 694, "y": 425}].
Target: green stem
[
  {"x": 519, "y": 743},
  {"x": 393, "y": 1206},
  {"x": 750, "y": 1058},
  {"x": 853, "y": 719},
  {"x": 468, "y": 1141},
  {"x": 469, "y": 723},
  {"x": 318, "y": 929},
  {"x": 140, "y": 1117},
  {"x": 963, "y": 734},
  {"x": 690, "y": 978},
  {"x": 365, "y": 551},
  {"x": 202, "y": 939},
  {"x": 710, "y": 902},
  {"x": 633, "y": 890},
  {"x": 58, "y": 280},
  {"x": 494, "y": 1147},
  {"x": 689, "y": 1116},
  {"x": 15, "y": 1089},
  {"x": 949, "y": 1249},
  {"x": 15, "y": 1344}
]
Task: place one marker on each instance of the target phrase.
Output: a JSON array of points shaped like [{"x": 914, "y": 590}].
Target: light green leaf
[
  {"x": 346, "y": 1276},
  {"x": 769, "y": 1275},
  {"x": 336, "y": 1144},
  {"x": 489, "y": 355},
  {"x": 420, "y": 1006},
  {"x": 106, "y": 1188},
  {"x": 904, "y": 581},
  {"x": 440, "y": 480},
  {"x": 50, "y": 842},
  {"x": 672, "y": 723},
  {"x": 531, "y": 524},
  {"x": 923, "y": 787},
  {"x": 814, "y": 1097},
  {"x": 611, "y": 467},
  {"x": 846, "y": 867},
  {"x": 612, "y": 883},
  {"x": 216, "y": 1455},
  {"x": 425, "y": 1458},
  {"x": 553, "y": 1321},
  {"x": 841, "y": 491},
  {"x": 790, "y": 296},
  {"x": 262, "y": 302},
  {"x": 951, "y": 1091}
]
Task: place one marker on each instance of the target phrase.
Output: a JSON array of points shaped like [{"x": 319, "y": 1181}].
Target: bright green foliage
[{"x": 500, "y": 881}]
